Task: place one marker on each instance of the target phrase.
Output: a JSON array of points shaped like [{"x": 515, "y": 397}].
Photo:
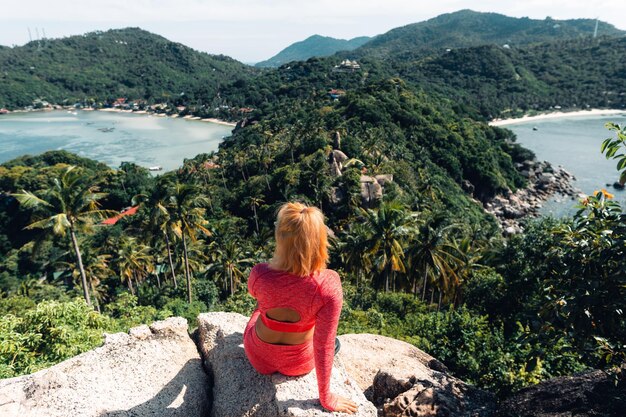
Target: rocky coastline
[{"x": 544, "y": 180}]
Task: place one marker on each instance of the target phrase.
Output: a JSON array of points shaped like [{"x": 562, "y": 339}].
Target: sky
[{"x": 255, "y": 30}]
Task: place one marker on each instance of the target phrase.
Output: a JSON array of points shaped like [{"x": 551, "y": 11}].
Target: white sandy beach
[
  {"x": 219, "y": 122},
  {"x": 557, "y": 115},
  {"x": 188, "y": 117}
]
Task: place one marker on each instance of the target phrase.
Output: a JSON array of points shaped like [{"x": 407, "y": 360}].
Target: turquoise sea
[
  {"x": 574, "y": 143},
  {"x": 109, "y": 137}
]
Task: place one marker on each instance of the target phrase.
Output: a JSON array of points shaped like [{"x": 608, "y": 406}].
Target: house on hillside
[
  {"x": 120, "y": 102},
  {"x": 347, "y": 66},
  {"x": 335, "y": 94}
]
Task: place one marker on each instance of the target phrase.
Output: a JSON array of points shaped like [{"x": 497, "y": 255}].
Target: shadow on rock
[{"x": 175, "y": 399}]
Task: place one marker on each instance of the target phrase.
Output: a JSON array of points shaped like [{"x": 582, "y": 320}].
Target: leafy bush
[
  {"x": 189, "y": 311},
  {"x": 241, "y": 302},
  {"x": 128, "y": 314},
  {"x": 48, "y": 333}
]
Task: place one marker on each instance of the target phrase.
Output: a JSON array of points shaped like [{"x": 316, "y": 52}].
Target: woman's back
[{"x": 303, "y": 295}]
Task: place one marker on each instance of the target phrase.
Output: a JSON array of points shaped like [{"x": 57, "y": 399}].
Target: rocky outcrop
[
  {"x": 152, "y": 371},
  {"x": 336, "y": 160},
  {"x": 401, "y": 380},
  {"x": 238, "y": 390},
  {"x": 157, "y": 371},
  {"x": 544, "y": 181},
  {"x": 372, "y": 188},
  {"x": 591, "y": 394}
]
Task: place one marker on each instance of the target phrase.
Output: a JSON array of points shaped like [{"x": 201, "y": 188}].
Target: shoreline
[
  {"x": 556, "y": 115},
  {"x": 174, "y": 116},
  {"x": 544, "y": 181},
  {"x": 139, "y": 112}
]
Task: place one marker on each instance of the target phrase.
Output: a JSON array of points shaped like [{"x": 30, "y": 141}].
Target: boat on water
[
  {"x": 155, "y": 168},
  {"x": 106, "y": 129}
]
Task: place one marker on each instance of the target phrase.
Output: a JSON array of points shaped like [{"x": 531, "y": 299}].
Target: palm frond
[{"x": 30, "y": 200}]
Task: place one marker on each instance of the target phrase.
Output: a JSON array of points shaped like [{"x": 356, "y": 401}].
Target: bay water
[
  {"x": 574, "y": 143},
  {"x": 113, "y": 138},
  {"x": 109, "y": 137}
]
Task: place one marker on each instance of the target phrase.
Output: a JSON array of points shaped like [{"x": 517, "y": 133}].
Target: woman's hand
[{"x": 345, "y": 405}]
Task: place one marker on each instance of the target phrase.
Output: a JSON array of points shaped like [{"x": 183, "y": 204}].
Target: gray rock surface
[
  {"x": 371, "y": 190},
  {"x": 238, "y": 390},
  {"x": 591, "y": 394},
  {"x": 152, "y": 371},
  {"x": 404, "y": 381},
  {"x": 156, "y": 371},
  {"x": 384, "y": 179}
]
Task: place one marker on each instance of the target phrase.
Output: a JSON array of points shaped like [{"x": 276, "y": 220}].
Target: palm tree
[
  {"x": 390, "y": 226},
  {"x": 71, "y": 205},
  {"x": 434, "y": 255},
  {"x": 240, "y": 159},
  {"x": 197, "y": 257},
  {"x": 254, "y": 203},
  {"x": 228, "y": 261},
  {"x": 469, "y": 254},
  {"x": 187, "y": 210},
  {"x": 96, "y": 269},
  {"x": 134, "y": 261},
  {"x": 161, "y": 220},
  {"x": 353, "y": 250}
]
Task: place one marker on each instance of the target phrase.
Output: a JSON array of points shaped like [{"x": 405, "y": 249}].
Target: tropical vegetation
[{"x": 420, "y": 259}]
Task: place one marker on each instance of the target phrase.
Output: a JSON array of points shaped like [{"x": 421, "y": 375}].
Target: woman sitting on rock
[{"x": 294, "y": 326}]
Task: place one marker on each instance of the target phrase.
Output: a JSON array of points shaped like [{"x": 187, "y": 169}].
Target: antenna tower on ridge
[{"x": 30, "y": 37}]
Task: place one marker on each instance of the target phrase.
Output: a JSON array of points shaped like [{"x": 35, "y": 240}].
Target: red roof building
[
  {"x": 119, "y": 102},
  {"x": 111, "y": 221}
]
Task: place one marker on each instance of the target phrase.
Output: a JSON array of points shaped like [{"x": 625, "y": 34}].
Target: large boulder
[
  {"x": 401, "y": 380},
  {"x": 238, "y": 390},
  {"x": 152, "y": 371},
  {"x": 591, "y": 394},
  {"x": 371, "y": 190}
]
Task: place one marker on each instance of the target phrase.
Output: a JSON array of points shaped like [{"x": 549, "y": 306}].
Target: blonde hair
[{"x": 301, "y": 240}]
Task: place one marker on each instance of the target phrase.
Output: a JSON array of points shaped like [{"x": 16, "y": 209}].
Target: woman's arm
[
  {"x": 252, "y": 280},
  {"x": 326, "y": 322}
]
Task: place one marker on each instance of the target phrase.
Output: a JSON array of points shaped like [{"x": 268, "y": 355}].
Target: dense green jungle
[{"x": 423, "y": 263}]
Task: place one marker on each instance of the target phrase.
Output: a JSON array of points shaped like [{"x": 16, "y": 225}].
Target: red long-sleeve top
[{"x": 317, "y": 298}]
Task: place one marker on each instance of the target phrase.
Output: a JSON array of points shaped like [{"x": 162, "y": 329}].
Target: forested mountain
[
  {"x": 313, "y": 46},
  {"x": 128, "y": 62},
  {"x": 490, "y": 81},
  {"x": 469, "y": 28}
]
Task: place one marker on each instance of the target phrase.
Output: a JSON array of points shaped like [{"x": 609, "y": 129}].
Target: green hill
[
  {"x": 468, "y": 28},
  {"x": 316, "y": 45},
  {"x": 128, "y": 62},
  {"x": 490, "y": 81}
]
